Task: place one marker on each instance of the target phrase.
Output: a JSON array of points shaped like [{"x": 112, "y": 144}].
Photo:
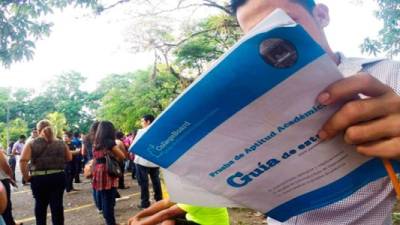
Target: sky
[{"x": 96, "y": 46}]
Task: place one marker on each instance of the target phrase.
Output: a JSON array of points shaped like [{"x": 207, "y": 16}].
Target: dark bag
[{"x": 112, "y": 165}]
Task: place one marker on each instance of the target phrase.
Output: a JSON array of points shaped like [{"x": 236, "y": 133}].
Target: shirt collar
[{"x": 351, "y": 66}]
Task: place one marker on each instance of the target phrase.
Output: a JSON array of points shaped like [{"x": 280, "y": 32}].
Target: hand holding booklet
[{"x": 245, "y": 131}]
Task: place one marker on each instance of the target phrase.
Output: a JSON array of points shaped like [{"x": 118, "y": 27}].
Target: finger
[
  {"x": 388, "y": 149},
  {"x": 374, "y": 130},
  {"x": 355, "y": 112},
  {"x": 361, "y": 83}
]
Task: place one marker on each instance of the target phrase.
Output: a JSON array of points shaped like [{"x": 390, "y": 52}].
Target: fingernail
[
  {"x": 324, "y": 98},
  {"x": 322, "y": 135}
]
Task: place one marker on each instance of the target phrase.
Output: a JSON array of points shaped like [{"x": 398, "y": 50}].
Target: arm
[
  {"x": 67, "y": 153},
  {"x": 4, "y": 165},
  {"x": 14, "y": 149},
  {"x": 3, "y": 198},
  {"x": 23, "y": 162},
  {"x": 83, "y": 150},
  {"x": 118, "y": 153},
  {"x": 371, "y": 124},
  {"x": 156, "y": 213},
  {"x": 87, "y": 170},
  {"x": 75, "y": 152},
  {"x": 121, "y": 145}
]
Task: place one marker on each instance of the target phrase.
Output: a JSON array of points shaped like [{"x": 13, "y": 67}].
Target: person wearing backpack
[
  {"x": 47, "y": 156},
  {"x": 104, "y": 183}
]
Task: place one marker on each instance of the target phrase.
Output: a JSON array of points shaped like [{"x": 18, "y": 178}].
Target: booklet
[{"x": 246, "y": 130}]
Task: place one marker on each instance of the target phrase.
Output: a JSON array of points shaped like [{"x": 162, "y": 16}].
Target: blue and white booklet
[{"x": 246, "y": 130}]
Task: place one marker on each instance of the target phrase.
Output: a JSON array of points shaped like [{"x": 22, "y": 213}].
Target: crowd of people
[{"x": 51, "y": 165}]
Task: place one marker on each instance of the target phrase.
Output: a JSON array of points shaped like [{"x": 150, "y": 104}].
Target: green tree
[
  {"x": 16, "y": 128},
  {"x": 58, "y": 121},
  {"x": 4, "y": 102},
  {"x": 388, "y": 40},
  {"x": 207, "y": 41},
  {"x": 20, "y": 105},
  {"x": 22, "y": 24},
  {"x": 38, "y": 108},
  {"x": 124, "y": 107},
  {"x": 65, "y": 95},
  {"x": 155, "y": 30}
]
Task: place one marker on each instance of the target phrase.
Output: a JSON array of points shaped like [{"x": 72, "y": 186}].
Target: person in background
[
  {"x": 34, "y": 134},
  {"x": 12, "y": 161},
  {"x": 165, "y": 212},
  {"x": 6, "y": 179},
  {"x": 131, "y": 165},
  {"x": 70, "y": 167},
  {"x": 102, "y": 182},
  {"x": 145, "y": 168},
  {"x": 119, "y": 141},
  {"x": 47, "y": 156},
  {"x": 87, "y": 145},
  {"x": 77, "y": 143},
  {"x": 87, "y": 149},
  {"x": 16, "y": 151}
]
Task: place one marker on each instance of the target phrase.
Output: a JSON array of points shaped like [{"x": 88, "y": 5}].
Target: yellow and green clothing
[{"x": 205, "y": 215}]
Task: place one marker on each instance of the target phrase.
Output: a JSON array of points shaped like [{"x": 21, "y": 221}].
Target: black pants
[
  {"x": 133, "y": 169},
  {"x": 78, "y": 168},
  {"x": 49, "y": 189},
  {"x": 183, "y": 221},
  {"x": 107, "y": 199},
  {"x": 7, "y": 215},
  {"x": 69, "y": 175},
  {"x": 121, "y": 180},
  {"x": 142, "y": 175}
]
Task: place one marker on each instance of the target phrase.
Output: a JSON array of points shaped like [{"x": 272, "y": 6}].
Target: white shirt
[
  {"x": 138, "y": 159},
  {"x": 3, "y": 175},
  {"x": 18, "y": 146},
  {"x": 373, "y": 203}
]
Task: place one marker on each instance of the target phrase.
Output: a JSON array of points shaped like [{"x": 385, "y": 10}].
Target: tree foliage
[
  {"x": 388, "y": 40},
  {"x": 206, "y": 41},
  {"x": 61, "y": 101},
  {"x": 16, "y": 127},
  {"x": 143, "y": 95},
  {"x": 66, "y": 96},
  {"x": 59, "y": 123},
  {"x": 181, "y": 54},
  {"x": 22, "y": 23}
]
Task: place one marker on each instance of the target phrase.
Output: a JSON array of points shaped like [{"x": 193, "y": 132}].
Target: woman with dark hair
[
  {"x": 104, "y": 184},
  {"x": 47, "y": 156},
  {"x": 87, "y": 146},
  {"x": 87, "y": 150}
]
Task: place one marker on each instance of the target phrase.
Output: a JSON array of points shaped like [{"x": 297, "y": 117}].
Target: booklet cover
[{"x": 247, "y": 128}]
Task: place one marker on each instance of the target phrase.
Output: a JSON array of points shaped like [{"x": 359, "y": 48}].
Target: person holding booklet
[{"x": 370, "y": 124}]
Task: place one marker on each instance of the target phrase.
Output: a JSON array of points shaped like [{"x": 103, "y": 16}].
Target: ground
[{"x": 79, "y": 208}]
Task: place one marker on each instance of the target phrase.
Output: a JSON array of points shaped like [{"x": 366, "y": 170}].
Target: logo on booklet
[
  {"x": 152, "y": 149},
  {"x": 278, "y": 53}
]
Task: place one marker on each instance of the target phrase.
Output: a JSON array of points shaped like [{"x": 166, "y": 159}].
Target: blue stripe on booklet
[{"x": 238, "y": 79}]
